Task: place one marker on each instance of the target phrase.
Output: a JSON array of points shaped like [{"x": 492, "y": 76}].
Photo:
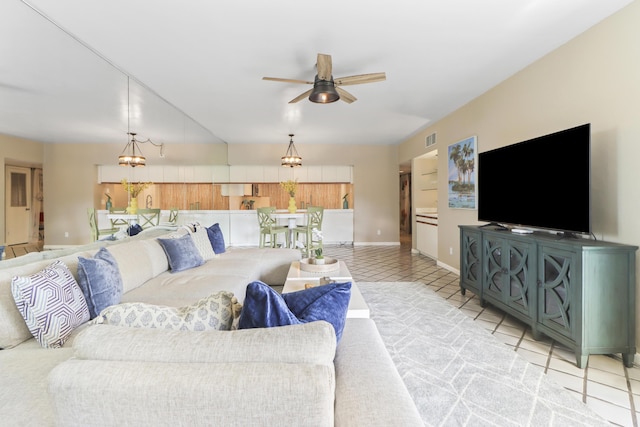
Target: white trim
[{"x": 448, "y": 267}]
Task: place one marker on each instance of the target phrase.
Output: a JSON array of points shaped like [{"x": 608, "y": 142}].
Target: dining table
[{"x": 292, "y": 222}]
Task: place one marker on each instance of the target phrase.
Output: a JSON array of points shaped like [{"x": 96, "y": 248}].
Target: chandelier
[
  {"x": 291, "y": 158},
  {"x": 129, "y": 156}
]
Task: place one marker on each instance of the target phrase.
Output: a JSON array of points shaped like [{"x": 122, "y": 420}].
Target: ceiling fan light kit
[
  {"x": 324, "y": 92},
  {"x": 291, "y": 158},
  {"x": 326, "y": 89}
]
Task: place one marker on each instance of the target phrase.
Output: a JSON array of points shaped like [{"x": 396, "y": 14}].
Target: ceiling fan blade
[
  {"x": 346, "y": 96},
  {"x": 324, "y": 66},
  {"x": 301, "y": 97},
  {"x": 360, "y": 79},
  {"x": 277, "y": 79}
]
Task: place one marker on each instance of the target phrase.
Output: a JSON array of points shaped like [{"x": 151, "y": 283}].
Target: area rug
[{"x": 457, "y": 372}]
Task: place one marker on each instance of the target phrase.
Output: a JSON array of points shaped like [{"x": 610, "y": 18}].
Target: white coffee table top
[
  {"x": 296, "y": 280},
  {"x": 339, "y": 274}
]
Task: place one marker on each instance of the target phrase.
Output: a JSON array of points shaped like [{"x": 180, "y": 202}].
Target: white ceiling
[{"x": 196, "y": 65}]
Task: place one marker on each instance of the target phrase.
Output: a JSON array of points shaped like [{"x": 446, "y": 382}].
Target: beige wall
[{"x": 594, "y": 78}]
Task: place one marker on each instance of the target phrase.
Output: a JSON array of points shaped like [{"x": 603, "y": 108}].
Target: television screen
[{"x": 540, "y": 183}]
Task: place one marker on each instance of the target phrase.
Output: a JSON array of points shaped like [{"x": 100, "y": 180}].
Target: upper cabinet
[{"x": 222, "y": 174}]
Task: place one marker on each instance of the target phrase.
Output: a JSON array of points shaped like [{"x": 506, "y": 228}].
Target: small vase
[
  {"x": 108, "y": 205},
  {"x": 318, "y": 261},
  {"x": 133, "y": 206},
  {"x": 345, "y": 204},
  {"x": 292, "y": 205}
]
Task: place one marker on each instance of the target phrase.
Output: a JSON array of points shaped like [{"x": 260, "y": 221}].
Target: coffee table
[{"x": 296, "y": 280}]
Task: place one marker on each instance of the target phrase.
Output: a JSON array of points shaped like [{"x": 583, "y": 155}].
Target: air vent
[{"x": 430, "y": 140}]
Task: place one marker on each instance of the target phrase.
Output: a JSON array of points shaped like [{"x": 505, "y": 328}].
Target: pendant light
[
  {"x": 291, "y": 158},
  {"x": 129, "y": 156}
]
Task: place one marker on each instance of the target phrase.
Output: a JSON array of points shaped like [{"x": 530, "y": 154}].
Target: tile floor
[{"x": 605, "y": 385}]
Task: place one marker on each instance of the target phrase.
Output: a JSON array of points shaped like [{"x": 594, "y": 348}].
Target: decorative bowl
[{"x": 330, "y": 264}]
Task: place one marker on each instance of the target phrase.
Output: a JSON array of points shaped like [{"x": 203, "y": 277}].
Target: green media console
[{"x": 576, "y": 291}]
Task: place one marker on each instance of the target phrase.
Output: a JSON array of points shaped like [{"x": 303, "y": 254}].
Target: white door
[{"x": 17, "y": 205}]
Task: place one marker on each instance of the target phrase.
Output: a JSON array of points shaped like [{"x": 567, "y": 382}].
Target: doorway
[{"x": 17, "y": 205}]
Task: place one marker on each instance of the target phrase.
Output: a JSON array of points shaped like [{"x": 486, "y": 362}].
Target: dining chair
[
  {"x": 312, "y": 230},
  {"x": 95, "y": 231},
  {"x": 173, "y": 218},
  {"x": 269, "y": 227},
  {"x": 117, "y": 223},
  {"x": 148, "y": 217}
]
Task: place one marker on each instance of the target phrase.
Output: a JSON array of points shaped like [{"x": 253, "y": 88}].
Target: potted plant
[{"x": 319, "y": 259}]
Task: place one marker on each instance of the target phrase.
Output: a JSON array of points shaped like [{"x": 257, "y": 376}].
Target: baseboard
[
  {"x": 448, "y": 267},
  {"x": 376, "y": 243}
]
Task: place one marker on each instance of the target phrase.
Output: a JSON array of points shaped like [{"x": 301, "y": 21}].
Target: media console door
[{"x": 578, "y": 292}]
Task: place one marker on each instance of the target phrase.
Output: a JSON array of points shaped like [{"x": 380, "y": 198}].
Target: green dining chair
[
  {"x": 148, "y": 218},
  {"x": 269, "y": 229},
  {"x": 95, "y": 231},
  {"x": 312, "y": 230}
]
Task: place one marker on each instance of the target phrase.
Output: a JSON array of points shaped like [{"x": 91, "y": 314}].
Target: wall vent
[{"x": 430, "y": 140}]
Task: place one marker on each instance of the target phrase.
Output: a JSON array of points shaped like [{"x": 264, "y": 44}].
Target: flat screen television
[{"x": 542, "y": 183}]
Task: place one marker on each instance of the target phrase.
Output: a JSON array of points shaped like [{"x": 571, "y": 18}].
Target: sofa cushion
[
  {"x": 215, "y": 312},
  {"x": 51, "y": 303},
  {"x": 181, "y": 253},
  {"x": 216, "y": 238},
  {"x": 100, "y": 281},
  {"x": 264, "y": 307},
  {"x": 139, "y": 261}
]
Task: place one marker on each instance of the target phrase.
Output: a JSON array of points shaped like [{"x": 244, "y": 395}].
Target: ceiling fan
[{"x": 326, "y": 89}]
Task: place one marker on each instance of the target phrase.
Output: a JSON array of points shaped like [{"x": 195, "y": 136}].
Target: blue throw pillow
[
  {"x": 263, "y": 307},
  {"x": 181, "y": 253},
  {"x": 216, "y": 238},
  {"x": 100, "y": 280}
]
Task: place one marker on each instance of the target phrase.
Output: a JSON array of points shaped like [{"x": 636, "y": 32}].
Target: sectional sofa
[{"x": 117, "y": 375}]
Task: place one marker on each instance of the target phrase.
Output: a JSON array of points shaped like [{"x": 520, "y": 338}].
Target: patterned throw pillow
[
  {"x": 100, "y": 281},
  {"x": 265, "y": 308},
  {"x": 215, "y": 312},
  {"x": 51, "y": 303}
]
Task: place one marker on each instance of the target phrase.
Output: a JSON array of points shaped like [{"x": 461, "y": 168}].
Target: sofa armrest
[
  {"x": 310, "y": 343},
  {"x": 369, "y": 389}
]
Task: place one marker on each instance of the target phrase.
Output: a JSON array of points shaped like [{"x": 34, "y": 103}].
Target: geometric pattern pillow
[
  {"x": 100, "y": 281},
  {"x": 51, "y": 303},
  {"x": 215, "y": 312}
]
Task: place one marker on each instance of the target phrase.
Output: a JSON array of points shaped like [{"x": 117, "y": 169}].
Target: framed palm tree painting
[{"x": 462, "y": 174}]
